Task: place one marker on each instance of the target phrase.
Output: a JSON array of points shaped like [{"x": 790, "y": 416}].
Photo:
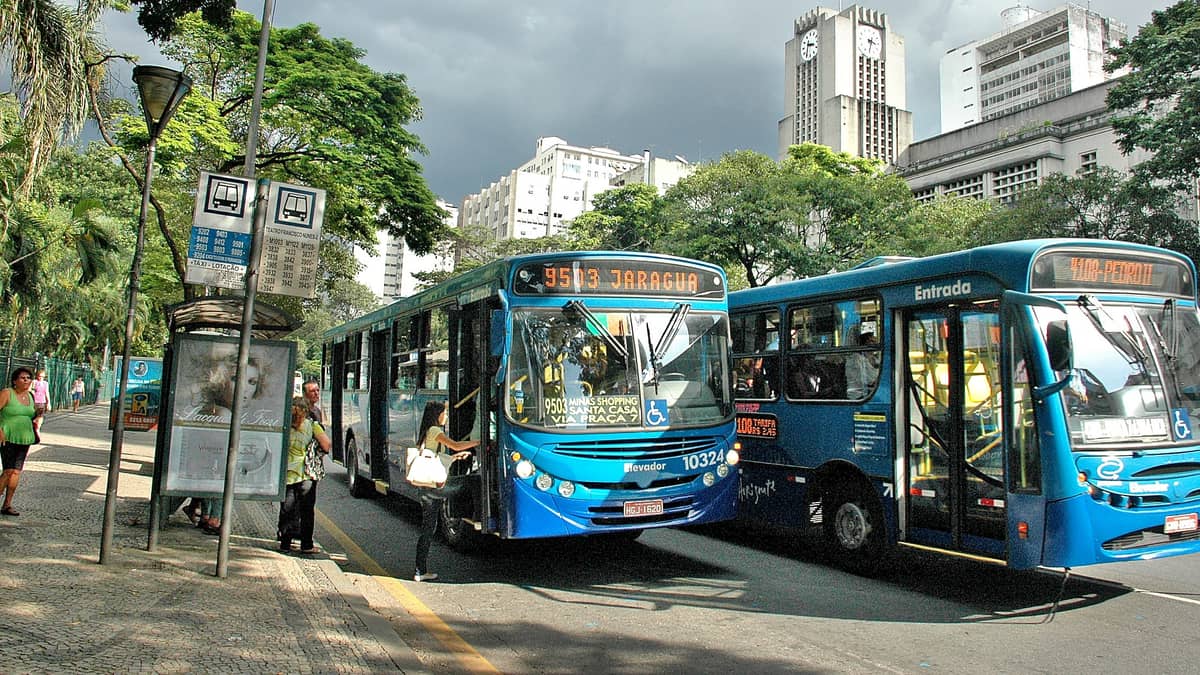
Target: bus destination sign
[
  {"x": 1087, "y": 270},
  {"x": 597, "y": 276}
]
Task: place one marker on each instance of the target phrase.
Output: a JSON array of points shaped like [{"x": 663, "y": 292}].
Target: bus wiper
[
  {"x": 1128, "y": 345},
  {"x": 1169, "y": 343},
  {"x": 575, "y": 306},
  {"x": 657, "y": 349}
]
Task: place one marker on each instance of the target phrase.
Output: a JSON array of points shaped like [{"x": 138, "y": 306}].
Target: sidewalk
[{"x": 165, "y": 612}]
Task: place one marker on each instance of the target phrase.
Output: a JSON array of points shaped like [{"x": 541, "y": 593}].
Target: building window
[{"x": 1087, "y": 163}]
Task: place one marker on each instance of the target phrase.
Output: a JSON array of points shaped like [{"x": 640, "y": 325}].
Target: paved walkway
[{"x": 166, "y": 611}]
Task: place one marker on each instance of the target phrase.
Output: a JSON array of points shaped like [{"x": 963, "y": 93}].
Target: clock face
[
  {"x": 870, "y": 42},
  {"x": 808, "y": 45}
]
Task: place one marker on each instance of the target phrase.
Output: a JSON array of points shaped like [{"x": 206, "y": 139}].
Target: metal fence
[{"x": 60, "y": 373}]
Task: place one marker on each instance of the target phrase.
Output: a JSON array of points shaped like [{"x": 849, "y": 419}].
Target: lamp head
[{"x": 161, "y": 90}]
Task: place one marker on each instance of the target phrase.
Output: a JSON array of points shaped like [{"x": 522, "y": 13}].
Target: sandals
[
  {"x": 311, "y": 550},
  {"x": 9, "y": 511}
]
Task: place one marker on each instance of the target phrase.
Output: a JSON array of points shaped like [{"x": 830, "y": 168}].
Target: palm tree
[{"x": 49, "y": 47}]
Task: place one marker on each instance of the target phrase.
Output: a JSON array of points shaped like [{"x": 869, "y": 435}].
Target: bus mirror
[
  {"x": 499, "y": 333},
  {"x": 1058, "y": 345}
]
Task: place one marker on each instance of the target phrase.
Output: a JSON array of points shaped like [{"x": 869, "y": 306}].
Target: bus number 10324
[{"x": 701, "y": 460}]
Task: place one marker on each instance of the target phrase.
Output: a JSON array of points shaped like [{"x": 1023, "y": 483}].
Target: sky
[{"x": 693, "y": 78}]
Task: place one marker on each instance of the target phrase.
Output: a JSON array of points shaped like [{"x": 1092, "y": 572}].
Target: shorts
[
  {"x": 39, "y": 409},
  {"x": 13, "y": 455},
  {"x": 76, "y": 396}
]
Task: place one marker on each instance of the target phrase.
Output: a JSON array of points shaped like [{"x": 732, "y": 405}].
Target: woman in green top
[
  {"x": 16, "y": 433},
  {"x": 297, "y": 511}
]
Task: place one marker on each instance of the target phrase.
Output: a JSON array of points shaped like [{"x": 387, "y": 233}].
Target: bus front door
[{"x": 954, "y": 479}]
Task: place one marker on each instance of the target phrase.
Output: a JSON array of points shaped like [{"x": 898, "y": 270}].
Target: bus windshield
[
  {"x": 1136, "y": 376},
  {"x": 574, "y": 368}
]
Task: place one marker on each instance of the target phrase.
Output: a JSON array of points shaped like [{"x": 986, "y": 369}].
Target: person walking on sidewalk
[
  {"x": 41, "y": 402},
  {"x": 432, "y": 435},
  {"x": 297, "y": 511},
  {"x": 16, "y": 433},
  {"x": 76, "y": 393}
]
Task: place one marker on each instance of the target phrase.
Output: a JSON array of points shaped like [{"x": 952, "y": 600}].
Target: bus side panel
[
  {"x": 1025, "y": 552},
  {"x": 773, "y": 494}
]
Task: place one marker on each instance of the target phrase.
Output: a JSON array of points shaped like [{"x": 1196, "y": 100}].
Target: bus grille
[
  {"x": 673, "y": 509},
  {"x": 1147, "y": 538},
  {"x": 660, "y": 483},
  {"x": 636, "y": 449}
]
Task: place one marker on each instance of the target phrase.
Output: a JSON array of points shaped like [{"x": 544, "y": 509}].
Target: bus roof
[{"x": 1008, "y": 262}]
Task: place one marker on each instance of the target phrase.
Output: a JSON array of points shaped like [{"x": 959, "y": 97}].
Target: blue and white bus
[
  {"x": 598, "y": 384},
  {"x": 1032, "y": 403}
]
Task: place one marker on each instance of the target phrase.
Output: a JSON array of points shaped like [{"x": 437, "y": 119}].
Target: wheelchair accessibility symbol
[
  {"x": 1181, "y": 424},
  {"x": 656, "y": 413}
]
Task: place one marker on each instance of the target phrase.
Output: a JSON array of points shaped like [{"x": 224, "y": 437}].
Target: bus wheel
[
  {"x": 854, "y": 530},
  {"x": 358, "y": 486}
]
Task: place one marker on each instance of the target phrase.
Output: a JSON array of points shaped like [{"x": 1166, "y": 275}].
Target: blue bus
[
  {"x": 1031, "y": 403},
  {"x": 598, "y": 384}
]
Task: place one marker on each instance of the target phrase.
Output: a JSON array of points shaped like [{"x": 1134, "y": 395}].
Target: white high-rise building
[
  {"x": 844, "y": 84},
  {"x": 537, "y": 198},
  {"x": 391, "y": 272},
  {"x": 1036, "y": 57}
]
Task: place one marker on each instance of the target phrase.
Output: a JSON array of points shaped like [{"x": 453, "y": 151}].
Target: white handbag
[{"x": 424, "y": 468}]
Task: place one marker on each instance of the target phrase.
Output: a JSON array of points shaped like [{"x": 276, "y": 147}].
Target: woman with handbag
[
  {"x": 432, "y": 436},
  {"x": 307, "y": 447}
]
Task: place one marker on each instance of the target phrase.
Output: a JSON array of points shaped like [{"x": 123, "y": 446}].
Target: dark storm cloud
[{"x": 695, "y": 78}]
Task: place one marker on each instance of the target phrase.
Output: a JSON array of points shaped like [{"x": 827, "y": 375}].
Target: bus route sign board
[
  {"x": 219, "y": 246},
  {"x": 757, "y": 425},
  {"x": 291, "y": 239}
]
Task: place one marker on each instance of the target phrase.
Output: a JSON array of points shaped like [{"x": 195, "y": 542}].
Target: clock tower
[{"x": 844, "y": 84}]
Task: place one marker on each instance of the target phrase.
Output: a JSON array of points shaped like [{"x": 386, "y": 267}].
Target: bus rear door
[{"x": 954, "y": 454}]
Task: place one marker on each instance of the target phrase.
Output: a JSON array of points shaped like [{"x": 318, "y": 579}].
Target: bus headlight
[
  {"x": 709, "y": 479},
  {"x": 723, "y": 470},
  {"x": 566, "y": 488},
  {"x": 733, "y": 457},
  {"x": 544, "y": 481},
  {"x": 524, "y": 468}
]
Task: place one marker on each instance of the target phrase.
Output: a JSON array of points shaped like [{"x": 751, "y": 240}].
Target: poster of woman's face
[
  {"x": 207, "y": 375},
  {"x": 203, "y": 382}
]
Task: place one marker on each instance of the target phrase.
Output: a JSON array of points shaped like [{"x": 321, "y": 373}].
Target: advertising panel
[
  {"x": 204, "y": 374},
  {"x": 143, "y": 392}
]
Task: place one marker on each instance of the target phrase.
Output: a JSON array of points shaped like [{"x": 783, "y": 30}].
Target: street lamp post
[{"x": 161, "y": 90}]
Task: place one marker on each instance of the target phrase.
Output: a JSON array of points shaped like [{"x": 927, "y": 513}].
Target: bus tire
[
  {"x": 854, "y": 529},
  {"x": 359, "y": 487},
  {"x": 459, "y": 534}
]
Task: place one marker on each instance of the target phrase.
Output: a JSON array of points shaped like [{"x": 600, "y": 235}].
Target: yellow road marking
[{"x": 471, "y": 660}]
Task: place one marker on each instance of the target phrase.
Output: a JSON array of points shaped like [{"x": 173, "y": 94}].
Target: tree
[
  {"x": 51, "y": 48},
  {"x": 160, "y": 18},
  {"x": 622, "y": 219},
  {"x": 940, "y": 225},
  {"x": 1157, "y": 105},
  {"x": 1104, "y": 204}
]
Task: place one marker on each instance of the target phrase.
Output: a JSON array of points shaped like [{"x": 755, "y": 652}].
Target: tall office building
[
  {"x": 844, "y": 84},
  {"x": 391, "y": 271},
  {"x": 1036, "y": 57}
]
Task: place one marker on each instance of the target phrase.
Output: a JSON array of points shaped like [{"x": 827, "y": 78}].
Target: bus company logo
[
  {"x": 630, "y": 467},
  {"x": 956, "y": 289},
  {"x": 1110, "y": 468}
]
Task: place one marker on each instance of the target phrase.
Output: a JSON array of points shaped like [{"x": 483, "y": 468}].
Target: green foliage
[
  {"x": 622, "y": 219},
  {"x": 814, "y": 212},
  {"x": 1157, "y": 105},
  {"x": 160, "y": 18},
  {"x": 940, "y": 225},
  {"x": 1104, "y": 204}
]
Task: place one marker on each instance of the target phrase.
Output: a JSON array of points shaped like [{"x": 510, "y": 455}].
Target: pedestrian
[
  {"x": 433, "y": 435},
  {"x": 41, "y": 402},
  {"x": 16, "y": 433},
  {"x": 297, "y": 511},
  {"x": 312, "y": 394},
  {"x": 76, "y": 393}
]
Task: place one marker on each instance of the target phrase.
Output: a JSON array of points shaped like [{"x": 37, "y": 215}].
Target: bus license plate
[
  {"x": 648, "y": 507},
  {"x": 1184, "y": 523}
]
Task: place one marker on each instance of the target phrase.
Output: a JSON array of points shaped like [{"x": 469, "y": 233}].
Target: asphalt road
[{"x": 722, "y": 600}]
